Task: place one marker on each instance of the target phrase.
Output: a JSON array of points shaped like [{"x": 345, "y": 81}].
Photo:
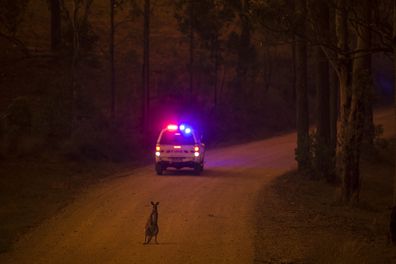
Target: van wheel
[{"x": 159, "y": 169}]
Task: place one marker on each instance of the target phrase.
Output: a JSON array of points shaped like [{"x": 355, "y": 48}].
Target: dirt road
[{"x": 202, "y": 219}]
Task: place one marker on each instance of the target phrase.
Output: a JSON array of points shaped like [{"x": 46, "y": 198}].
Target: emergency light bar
[{"x": 183, "y": 127}]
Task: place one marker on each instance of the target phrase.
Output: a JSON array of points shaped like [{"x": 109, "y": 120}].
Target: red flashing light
[{"x": 172, "y": 127}]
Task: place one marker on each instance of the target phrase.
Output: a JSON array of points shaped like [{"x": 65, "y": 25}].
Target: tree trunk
[
  {"x": 392, "y": 224},
  {"x": 293, "y": 97},
  {"x": 56, "y": 34},
  {"x": 353, "y": 133},
  {"x": 294, "y": 90},
  {"x": 191, "y": 64},
  {"x": 112, "y": 77},
  {"x": 342, "y": 42},
  {"x": 146, "y": 68},
  {"x": 369, "y": 128},
  {"x": 75, "y": 87},
  {"x": 394, "y": 84},
  {"x": 334, "y": 110},
  {"x": 334, "y": 98},
  {"x": 216, "y": 70},
  {"x": 244, "y": 49},
  {"x": 302, "y": 152},
  {"x": 322, "y": 80},
  {"x": 341, "y": 18},
  {"x": 344, "y": 60}
]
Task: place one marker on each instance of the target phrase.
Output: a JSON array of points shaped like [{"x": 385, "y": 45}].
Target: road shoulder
[{"x": 300, "y": 220}]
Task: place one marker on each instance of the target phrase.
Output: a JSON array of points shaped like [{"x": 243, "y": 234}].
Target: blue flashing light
[
  {"x": 182, "y": 127},
  {"x": 187, "y": 130}
]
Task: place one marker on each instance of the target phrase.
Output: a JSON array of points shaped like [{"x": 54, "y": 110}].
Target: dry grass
[
  {"x": 340, "y": 251},
  {"x": 31, "y": 191},
  {"x": 302, "y": 222}
]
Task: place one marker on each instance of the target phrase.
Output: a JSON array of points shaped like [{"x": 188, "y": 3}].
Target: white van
[{"x": 179, "y": 147}]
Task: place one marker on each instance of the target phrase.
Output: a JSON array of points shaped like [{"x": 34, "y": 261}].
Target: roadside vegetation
[
  {"x": 303, "y": 221},
  {"x": 32, "y": 191}
]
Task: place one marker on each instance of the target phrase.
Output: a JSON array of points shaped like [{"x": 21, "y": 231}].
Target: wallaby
[{"x": 151, "y": 229}]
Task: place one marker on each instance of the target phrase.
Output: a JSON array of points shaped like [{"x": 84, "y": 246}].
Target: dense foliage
[{"x": 239, "y": 69}]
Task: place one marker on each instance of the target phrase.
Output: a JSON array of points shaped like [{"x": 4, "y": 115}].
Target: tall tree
[
  {"x": 244, "y": 47},
  {"x": 320, "y": 12},
  {"x": 368, "y": 129},
  {"x": 352, "y": 132},
  {"x": 343, "y": 66},
  {"x": 203, "y": 22},
  {"x": 394, "y": 84},
  {"x": 214, "y": 17},
  {"x": 343, "y": 73},
  {"x": 303, "y": 150},
  {"x": 11, "y": 17},
  {"x": 111, "y": 45},
  {"x": 187, "y": 14},
  {"x": 191, "y": 32},
  {"x": 334, "y": 98},
  {"x": 77, "y": 14},
  {"x": 393, "y": 214},
  {"x": 146, "y": 66},
  {"x": 56, "y": 31}
]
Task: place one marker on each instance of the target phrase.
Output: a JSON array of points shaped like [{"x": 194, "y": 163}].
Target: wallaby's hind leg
[
  {"x": 149, "y": 239},
  {"x": 155, "y": 238}
]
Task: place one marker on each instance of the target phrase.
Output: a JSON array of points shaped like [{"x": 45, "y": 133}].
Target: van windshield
[{"x": 176, "y": 138}]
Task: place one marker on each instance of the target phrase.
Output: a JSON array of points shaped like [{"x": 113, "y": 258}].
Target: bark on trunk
[
  {"x": 392, "y": 224},
  {"x": 302, "y": 152},
  {"x": 394, "y": 85},
  {"x": 369, "y": 128},
  {"x": 334, "y": 96},
  {"x": 146, "y": 68},
  {"x": 322, "y": 80},
  {"x": 243, "y": 52},
  {"x": 341, "y": 29},
  {"x": 55, "y": 25},
  {"x": 112, "y": 77},
  {"x": 294, "y": 89},
  {"x": 191, "y": 64},
  {"x": 216, "y": 70},
  {"x": 344, "y": 61},
  {"x": 334, "y": 110},
  {"x": 353, "y": 133}
]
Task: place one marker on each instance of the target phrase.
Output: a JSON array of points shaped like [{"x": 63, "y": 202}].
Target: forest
[{"x": 96, "y": 80}]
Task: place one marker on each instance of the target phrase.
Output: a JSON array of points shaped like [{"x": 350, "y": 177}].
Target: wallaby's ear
[{"x": 152, "y": 202}]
